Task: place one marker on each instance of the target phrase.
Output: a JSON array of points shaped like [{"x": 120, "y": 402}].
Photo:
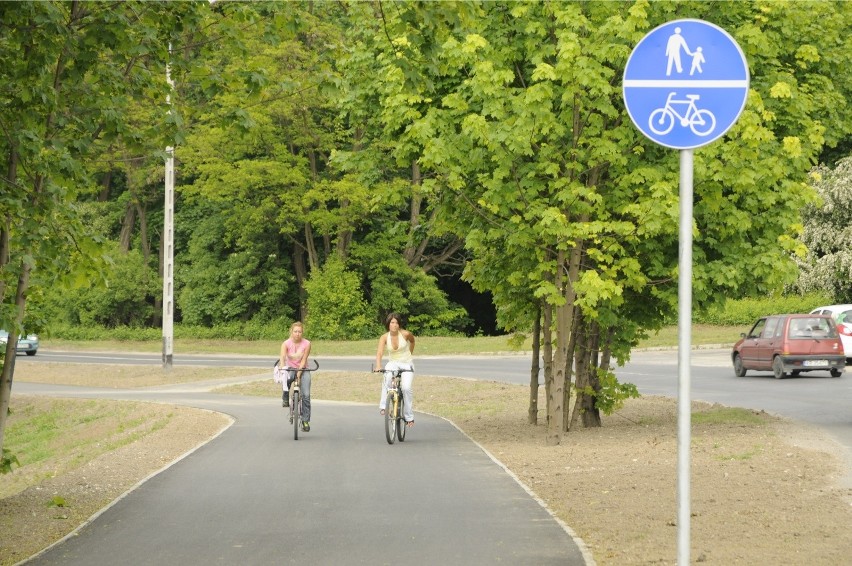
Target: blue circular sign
[{"x": 686, "y": 83}]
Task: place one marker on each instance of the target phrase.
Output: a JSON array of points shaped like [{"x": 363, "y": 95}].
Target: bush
[
  {"x": 255, "y": 329},
  {"x": 745, "y": 311},
  {"x": 127, "y": 299},
  {"x": 336, "y": 306}
]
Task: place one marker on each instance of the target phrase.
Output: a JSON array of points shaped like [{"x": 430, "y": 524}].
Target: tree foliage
[
  {"x": 70, "y": 72},
  {"x": 827, "y": 234},
  {"x": 515, "y": 113}
]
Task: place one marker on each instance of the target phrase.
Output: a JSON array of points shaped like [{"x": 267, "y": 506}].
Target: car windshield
[
  {"x": 845, "y": 316},
  {"x": 811, "y": 327}
]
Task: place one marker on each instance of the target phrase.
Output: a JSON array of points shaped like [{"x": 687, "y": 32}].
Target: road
[
  {"x": 814, "y": 398},
  {"x": 338, "y": 495},
  {"x": 458, "y": 506}
]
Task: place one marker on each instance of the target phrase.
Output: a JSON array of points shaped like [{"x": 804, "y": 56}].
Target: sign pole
[
  {"x": 684, "y": 300},
  {"x": 685, "y": 84}
]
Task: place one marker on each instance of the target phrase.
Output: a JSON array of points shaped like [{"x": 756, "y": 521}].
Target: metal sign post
[{"x": 685, "y": 84}]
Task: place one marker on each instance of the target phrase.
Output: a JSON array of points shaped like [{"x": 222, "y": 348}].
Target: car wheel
[
  {"x": 739, "y": 368},
  {"x": 836, "y": 373},
  {"x": 778, "y": 368},
  {"x": 32, "y": 352}
]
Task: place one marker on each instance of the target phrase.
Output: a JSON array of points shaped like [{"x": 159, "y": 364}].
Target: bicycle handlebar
[
  {"x": 306, "y": 368},
  {"x": 397, "y": 370}
]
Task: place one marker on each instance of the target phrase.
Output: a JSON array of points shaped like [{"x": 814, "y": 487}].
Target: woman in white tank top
[{"x": 399, "y": 344}]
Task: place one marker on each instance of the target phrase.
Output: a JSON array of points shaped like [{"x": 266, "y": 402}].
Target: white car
[
  {"x": 27, "y": 344},
  {"x": 842, "y": 314}
]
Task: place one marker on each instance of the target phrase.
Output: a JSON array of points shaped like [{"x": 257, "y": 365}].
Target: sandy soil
[{"x": 763, "y": 490}]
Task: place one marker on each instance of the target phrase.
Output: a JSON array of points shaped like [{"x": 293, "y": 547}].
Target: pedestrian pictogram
[{"x": 685, "y": 83}]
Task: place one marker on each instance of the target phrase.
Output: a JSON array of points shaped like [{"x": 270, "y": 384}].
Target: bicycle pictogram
[{"x": 662, "y": 120}]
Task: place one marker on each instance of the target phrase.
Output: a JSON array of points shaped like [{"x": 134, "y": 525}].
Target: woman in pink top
[{"x": 294, "y": 356}]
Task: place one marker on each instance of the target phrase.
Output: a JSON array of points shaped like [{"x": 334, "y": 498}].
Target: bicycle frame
[
  {"x": 394, "y": 402},
  {"x": 296, "y": 405},
  {"x": 691, "y": 109},
  {"x": 296, "y": 398}
]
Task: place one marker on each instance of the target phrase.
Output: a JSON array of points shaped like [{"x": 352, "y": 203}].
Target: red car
[{"x": 788, "y": 344}]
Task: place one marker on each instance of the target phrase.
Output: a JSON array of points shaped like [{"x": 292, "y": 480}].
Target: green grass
[
  {"x": 52, "y": 436},
  {"x": 702, "y": 335},
  {"x": 728, "y": 415}
]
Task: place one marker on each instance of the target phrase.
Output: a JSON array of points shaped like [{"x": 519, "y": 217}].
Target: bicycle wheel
[
  {"x": 400, "y": 421},
  {"x": 297, "y": 413},
  {"x": 702, "y": 123},
  {"x": 661, "y": 121},
  {"x": 391, "y": 411}
]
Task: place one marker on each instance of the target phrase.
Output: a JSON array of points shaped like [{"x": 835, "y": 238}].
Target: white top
[{"x": 402, "y": 353}]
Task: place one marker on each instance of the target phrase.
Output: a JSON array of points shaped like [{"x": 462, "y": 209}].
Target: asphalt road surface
[
  {"x": 435, "y": 498},
  {"x": 338, "y": 495}
]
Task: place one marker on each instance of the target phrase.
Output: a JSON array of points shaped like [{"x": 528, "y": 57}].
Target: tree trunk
[
  {"x": 11, "y": 347},
  {"x": 143, "y": 231},
  {"x": 547, "y": 350},
  {"x": 587, "y": 377},
  {"x": 313, "y": 256},
  {"x": 532, "y": 412},
  {"x": 556, "y": 393},
  {"x": 566, "y": 276},
  {"x": 410, "y": 252},
  {"x": 591, "y": 414},
  {"x": 572, "y": 371},
  {"x": 103, "y": 194},
  {"x": 301, "y": 277},
  {"x": 8, "y": 371},
  {"x": 127, "y": 226}
]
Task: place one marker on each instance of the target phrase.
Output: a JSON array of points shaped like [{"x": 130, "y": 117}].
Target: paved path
[{"x": 338, "y": 495}]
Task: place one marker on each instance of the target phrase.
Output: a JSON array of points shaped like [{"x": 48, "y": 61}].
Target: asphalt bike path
[{"x": 338, "y": 495}]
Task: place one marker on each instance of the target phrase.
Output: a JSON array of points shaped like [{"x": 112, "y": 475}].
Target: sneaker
[{"x": 306, "y": 426}]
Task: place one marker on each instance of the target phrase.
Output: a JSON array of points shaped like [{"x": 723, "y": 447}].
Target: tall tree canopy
[
  {"x": 514, "y": 111},
  {"x": 75, "y": 78}
]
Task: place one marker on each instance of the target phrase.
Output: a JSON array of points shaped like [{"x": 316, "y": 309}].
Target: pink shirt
[{"x": 295, "y": 351}]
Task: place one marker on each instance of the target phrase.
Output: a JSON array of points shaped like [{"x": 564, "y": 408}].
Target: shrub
[
  {"x": 745, "y": 311},
  {"x": 336, "y": 306}
]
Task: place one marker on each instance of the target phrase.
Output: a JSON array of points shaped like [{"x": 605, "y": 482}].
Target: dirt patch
[{"x": 763, "y": 490}]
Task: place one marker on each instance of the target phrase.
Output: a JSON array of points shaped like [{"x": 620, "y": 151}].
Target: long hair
[{"x": 390, "y": 317}]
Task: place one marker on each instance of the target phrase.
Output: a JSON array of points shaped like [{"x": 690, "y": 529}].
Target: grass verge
[{"x": 702, "y": 335}]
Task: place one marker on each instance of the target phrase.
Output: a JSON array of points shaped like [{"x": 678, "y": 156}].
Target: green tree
[
  {"x": 515, "y": 113},
  {"x": 69, "y": 72},
  {"x": 827, "y": 266}
]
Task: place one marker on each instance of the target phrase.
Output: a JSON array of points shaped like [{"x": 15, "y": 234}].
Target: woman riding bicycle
[
  {"x": 294, "y": 356},
  {"x": 399, "y": 344}
]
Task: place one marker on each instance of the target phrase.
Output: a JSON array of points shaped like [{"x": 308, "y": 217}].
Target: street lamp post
[{"x": 168, "y": 247}]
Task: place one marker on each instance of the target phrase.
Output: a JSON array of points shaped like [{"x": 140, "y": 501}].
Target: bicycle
[
  {"x": 296, "y": 399},
  {"x": 662, "y": 120},
  {"x": 395, "y": 424}
]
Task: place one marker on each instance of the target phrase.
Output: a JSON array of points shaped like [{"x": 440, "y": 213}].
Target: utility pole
[{"x": 168, "y": 246}]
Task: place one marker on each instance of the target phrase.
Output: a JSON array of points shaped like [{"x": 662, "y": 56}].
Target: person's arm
[
  {"x": 305, "y": 354},
  {"x": 409, "y": 337},
  {"x": 379, "y": 351}
]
